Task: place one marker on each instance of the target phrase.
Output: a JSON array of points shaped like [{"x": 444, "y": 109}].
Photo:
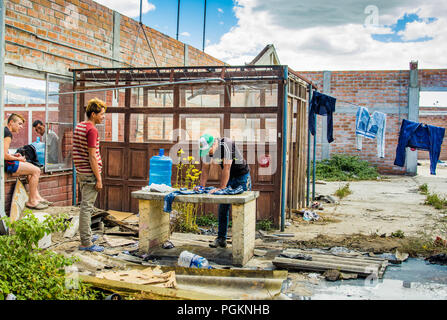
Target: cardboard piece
[
  {"x": 151, "y": 276},
  {"x": 120, "y": 215},
  {"x": 118, "y": 241},
  {"x": 18, "y": 201}
]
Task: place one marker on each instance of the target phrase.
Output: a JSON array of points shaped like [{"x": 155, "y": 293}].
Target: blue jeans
[{"x": 224, "y": 209}]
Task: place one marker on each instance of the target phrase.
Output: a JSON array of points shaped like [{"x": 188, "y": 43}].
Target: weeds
[
  {"x": 265, "y": 225},
  {"x": 343, "y": 191},
  {"x": 436, "y": 201},
  {"x": 423, "y": 189},
  {"x": 31, "y": 273},
  {"x": 398, "y": 234},
  {"x": 208, "y": 220},
  {"x": 345, "y": 168}
]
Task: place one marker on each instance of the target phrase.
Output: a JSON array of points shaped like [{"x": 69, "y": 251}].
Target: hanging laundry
[
  {"x": 372, "y": 127},
  {"x": 323, "y": 105},
  {"x": 420, "y": 136}
]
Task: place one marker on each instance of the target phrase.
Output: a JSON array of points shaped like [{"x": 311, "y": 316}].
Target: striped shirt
[{"x": 85, "y": 136}]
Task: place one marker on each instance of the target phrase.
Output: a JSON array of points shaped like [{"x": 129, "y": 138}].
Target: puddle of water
[{"x": 411, "y": 280}]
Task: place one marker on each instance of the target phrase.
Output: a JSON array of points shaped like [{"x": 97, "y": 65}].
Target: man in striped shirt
[{"x": 88, "y": 164}]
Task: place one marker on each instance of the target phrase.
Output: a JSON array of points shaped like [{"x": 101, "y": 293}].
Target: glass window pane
[
  {"x": 151, "y": 98},
  {"x": 210, "y": 96},
  {"x": 253, "y": 127},
  {"x": 254, "y": 95},
  {"x": 149, "y": 128},
  {"x": 112, "y": 129},
  {"x": 194, "y": 125}
]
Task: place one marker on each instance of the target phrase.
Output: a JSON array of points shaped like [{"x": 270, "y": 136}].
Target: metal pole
[
  {"x": 75, "y": 112},
  {"x": 204, "y": 22},
  {"x": 284, "y": 150},
  {"x": 141, "y": 9},
  {"x": 308, "y": 152},
  {"x": 3, "y": 227},
  {"x": 178, "y": 18},
  {"x": 313, "y": 163}
]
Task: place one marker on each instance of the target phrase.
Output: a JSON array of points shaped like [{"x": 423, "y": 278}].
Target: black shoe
[{"x": 219, "y": 242}]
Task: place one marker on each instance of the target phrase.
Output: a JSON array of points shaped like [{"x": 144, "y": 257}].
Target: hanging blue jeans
[
  {"x": 323, "y": 105},
  {"x": 243, "y": 181},
  {"x": 372, "y": 127},
  {"x": 420, "y": 136}
]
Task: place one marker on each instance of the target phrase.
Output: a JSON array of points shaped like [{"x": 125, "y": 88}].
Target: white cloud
[
  {"x": 185, "y": 34},
  {"x": 419, "y": 29},
  {"x": 130, "y": 8},
  {"x": 332, "y": 36},
  {"x": 220, "y": 10}
]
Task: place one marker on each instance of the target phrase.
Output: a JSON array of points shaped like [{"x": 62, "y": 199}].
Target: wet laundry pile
[{"x": 169, "y": 198}]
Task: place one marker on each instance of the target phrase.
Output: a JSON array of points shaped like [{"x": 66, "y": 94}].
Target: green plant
[
  {"x": 343, "y": 167},
  {"x": 265, "y": 225},
  {"x": 398, "y": 234},
  {"x": 436, "y": 201},
  {"x": 207, "y": 220},
  {"x": 343, "y": 191},
  {"x": 423, "y": 188},
  {"x": 31, "y": 273}
]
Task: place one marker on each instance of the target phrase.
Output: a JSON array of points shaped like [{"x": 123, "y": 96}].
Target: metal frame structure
[{"x": 290, "y": 87}]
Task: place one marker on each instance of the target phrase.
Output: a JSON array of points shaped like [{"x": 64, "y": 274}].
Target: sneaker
[
  {"x": 95, "y": 237},
  {"x": 92, "y": 248},
  {"x": 219, "y": 242}
]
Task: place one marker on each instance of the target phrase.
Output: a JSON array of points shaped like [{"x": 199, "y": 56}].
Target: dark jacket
[
  {"x": 420, "y": 136},
  {"x": 323, "y": 105},
  {"x": 29, "y": 152}
]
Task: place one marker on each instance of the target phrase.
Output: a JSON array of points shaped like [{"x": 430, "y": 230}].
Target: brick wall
[
  {"x": 83, "y": 35},
  {"x": 55, "y": 35},
  {"x": 385, "y": 91}
]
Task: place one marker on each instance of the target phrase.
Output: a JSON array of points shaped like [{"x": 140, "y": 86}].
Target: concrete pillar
[
  {"x": 186, "y": 56},
  {"x": 413, "y": 115},
  {"x": 324, "y": 143},
  {"x": 116, "y": 38}
]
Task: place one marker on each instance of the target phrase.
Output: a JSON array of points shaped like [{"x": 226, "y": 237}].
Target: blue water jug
[
  {"x": 40, "y": 150},
  {"x": 160, "y": 169}
]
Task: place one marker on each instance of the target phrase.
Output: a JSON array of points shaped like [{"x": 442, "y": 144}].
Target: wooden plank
[
  {"x": 18, "y": 201},
  {"x": 321, "y": 266},
  {"x": 118, "y": 241},
  {"x": 120, "y": 215}
]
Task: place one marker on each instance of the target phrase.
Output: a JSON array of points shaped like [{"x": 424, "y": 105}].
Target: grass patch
[
  {"x": 265, "y": 225},
  {"x": 343, "y": 167},
  {"x": 436, "y": 201},
  {"x": 343, "y": 191},
  {"x": 423, "y": 188},
  {"x": 398, "y": 234}
]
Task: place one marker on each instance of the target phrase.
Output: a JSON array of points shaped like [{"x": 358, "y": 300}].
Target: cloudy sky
[{"x": 308, "y": 35}]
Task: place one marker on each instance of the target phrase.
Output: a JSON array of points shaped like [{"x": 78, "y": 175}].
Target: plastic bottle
[
  {"x": 160, "y": 169},
  {"x": 191, "y": 260},
  {"x": 40, "y": 150}
]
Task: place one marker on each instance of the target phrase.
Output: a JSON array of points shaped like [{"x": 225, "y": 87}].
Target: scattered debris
[
  {"x": 152, "y": 276},
  {"x": 118, "y": 241},
  {"x": 310, "y": 216},
  {"x": 406, "y": 284},
  {"x": 168, "y": 245},
  {"x": 259, "y": 252},
  {"x": 363, "y": 266},
  {"x": 70, "y": 232},
  {"x": 299, "y": 256},
  {"x": 401, "y": 256},
  {"x": 347, "y": 276},
  {"x": 438, "y": 259},
  {"x": 324, "y": 198},
  {"x": 440, "y": 242},
  {"x": 332, "y": 275},
  {"x": 289, "y": 235}
]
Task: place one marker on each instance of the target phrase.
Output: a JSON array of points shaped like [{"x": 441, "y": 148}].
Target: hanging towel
[
  {"x": 372, "y": 127},
  {"x": 323, "y": 105},
  {"x": 420, "y": 136}
]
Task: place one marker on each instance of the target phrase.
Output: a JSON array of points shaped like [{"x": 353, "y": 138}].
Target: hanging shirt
[
  {"x": 372, "y": 127},
  {"x": 419, "y": 136},
  {"x": 323, "y": 105}
]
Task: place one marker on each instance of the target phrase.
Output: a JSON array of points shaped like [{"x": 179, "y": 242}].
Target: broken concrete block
[
  {"x": 332, "y": 275},
  {"x": 70, "y": 232}
]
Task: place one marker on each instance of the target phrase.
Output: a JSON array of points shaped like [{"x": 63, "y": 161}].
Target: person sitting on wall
[
  {"x": 52, "y": 141},
  {"x": 235, "y": 173},
  {"x": 16, "y": 164}
]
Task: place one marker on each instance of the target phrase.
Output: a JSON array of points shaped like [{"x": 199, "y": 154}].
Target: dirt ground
[
  {"x": 374, "y": 209},
  {"x": 364, "y": 220}
]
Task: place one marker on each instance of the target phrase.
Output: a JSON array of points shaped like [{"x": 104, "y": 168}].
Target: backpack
[{"x": 30, "y": 153}]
